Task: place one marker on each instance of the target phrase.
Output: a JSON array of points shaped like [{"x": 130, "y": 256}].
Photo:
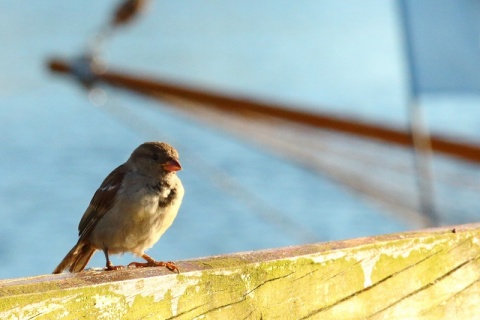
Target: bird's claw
[
  {"x": 113, "y": 268},
  {"x": 172, "y": 267},
  {"x": 169, "y": 265}
]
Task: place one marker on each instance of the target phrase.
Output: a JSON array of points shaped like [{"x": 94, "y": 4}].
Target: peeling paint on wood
[{"x": 430, "y": 274}]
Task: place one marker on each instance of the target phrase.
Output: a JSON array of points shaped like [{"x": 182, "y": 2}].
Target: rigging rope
[
  {"x": 382, "y": 172},
  {"x": 220, "y": 178},
  {"x": 376, "y": 169}
]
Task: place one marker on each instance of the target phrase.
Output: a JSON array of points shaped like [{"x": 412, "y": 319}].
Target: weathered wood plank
[{"x": 430, "y": 274}]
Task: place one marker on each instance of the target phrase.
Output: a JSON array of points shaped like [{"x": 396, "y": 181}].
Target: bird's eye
[{"x": 155, "y": 157}]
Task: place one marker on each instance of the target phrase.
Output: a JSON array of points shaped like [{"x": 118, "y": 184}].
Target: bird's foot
[
  {"x": 111, "y": 267},
  {"x": 169, "y": 265}
]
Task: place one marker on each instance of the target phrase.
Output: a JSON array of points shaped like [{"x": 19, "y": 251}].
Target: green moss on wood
[{"x": 427, "y": 274}]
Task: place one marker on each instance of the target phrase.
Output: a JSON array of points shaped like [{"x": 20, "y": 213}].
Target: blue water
[{"x": 56, "y": 147}]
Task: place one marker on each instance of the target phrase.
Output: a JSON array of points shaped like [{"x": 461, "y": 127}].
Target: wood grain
[{"x": 429, "y": 274}]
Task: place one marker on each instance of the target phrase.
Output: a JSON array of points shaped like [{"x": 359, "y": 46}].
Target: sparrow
[{"x": 135, "y": 204}]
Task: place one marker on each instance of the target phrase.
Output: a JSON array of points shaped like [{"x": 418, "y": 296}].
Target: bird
[{"x": 135, "y": 204}]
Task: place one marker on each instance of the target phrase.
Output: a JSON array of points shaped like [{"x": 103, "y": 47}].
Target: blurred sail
[{"x": 443, "y": 44}]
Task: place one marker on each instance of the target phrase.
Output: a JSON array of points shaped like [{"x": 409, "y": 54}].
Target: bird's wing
[{"x": 102, "y": 201}]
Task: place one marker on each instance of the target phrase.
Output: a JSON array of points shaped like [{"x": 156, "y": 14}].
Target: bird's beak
[{"x": 172, "y": 165}]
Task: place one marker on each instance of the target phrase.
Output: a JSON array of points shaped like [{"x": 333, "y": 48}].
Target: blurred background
[{"x": 346, "y": 58}]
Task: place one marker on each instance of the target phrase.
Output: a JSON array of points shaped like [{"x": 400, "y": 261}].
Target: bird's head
[{"x": 155, "y": 158}]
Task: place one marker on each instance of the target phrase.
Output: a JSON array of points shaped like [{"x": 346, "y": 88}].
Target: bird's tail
[{"x": 76, "y": 259}]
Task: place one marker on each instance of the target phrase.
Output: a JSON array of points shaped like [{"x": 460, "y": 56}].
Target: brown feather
[
  {"x": 76, "y": 259},
  {"x": 102, "y": 201},
  {"x": 85, "y": 254}
]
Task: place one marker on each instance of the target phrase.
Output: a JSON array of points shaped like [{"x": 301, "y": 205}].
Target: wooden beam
[
  {"x": 248, "y": 106},
  {"x": 429, "y": 274}
]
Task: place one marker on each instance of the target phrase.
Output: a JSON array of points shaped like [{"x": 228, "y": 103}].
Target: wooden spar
[
  {"x": 243, "y": 105},
  {"x": 429, "y": 274}
]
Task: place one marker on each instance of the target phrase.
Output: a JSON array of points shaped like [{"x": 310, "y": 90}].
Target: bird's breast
[
  {"x": 156, "y": 215},
  {"x": 138, "y": 219}
]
